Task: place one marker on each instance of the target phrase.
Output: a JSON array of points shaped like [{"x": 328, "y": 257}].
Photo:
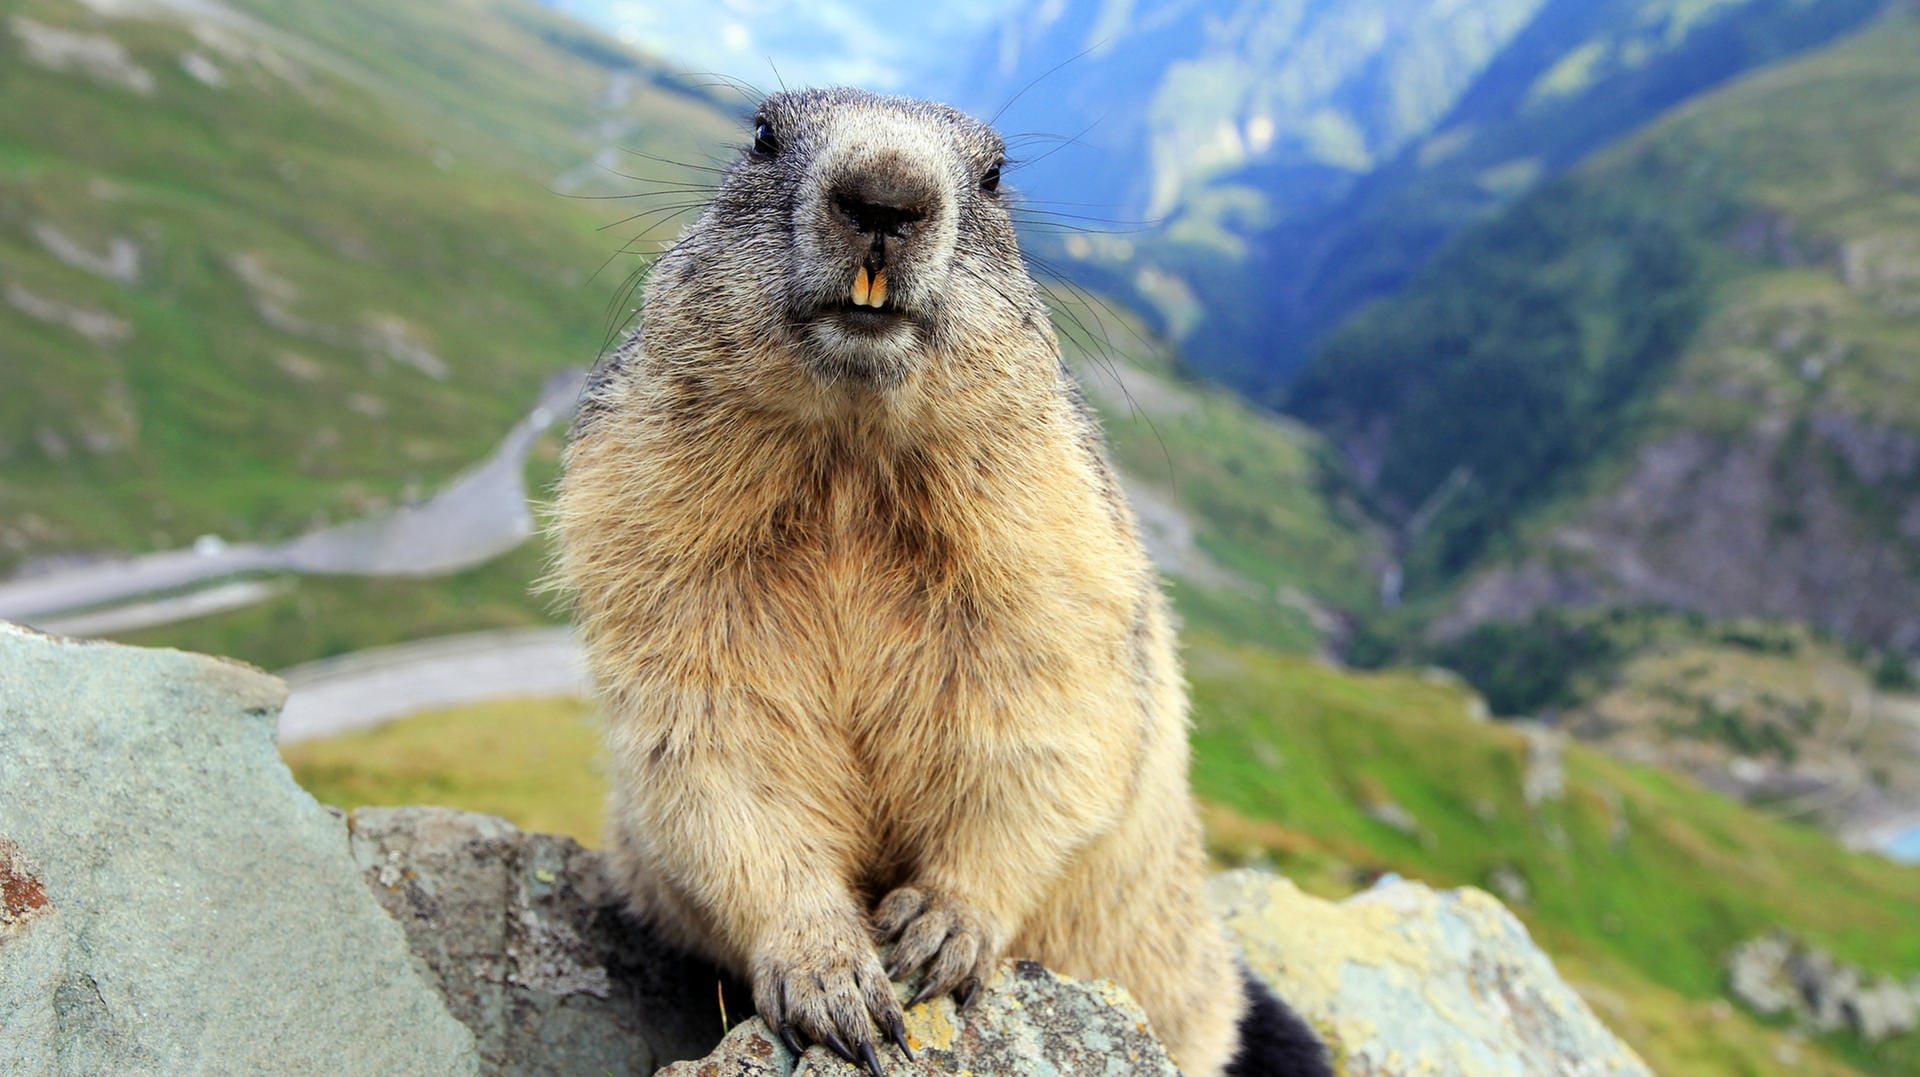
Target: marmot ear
[{"x": 764, "y": 142}]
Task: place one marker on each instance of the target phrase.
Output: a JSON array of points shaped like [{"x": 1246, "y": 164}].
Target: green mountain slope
[
  {"x": 1243, "y": 509},
  {"x": 1687, "y": 370},
  {"x": 1580, "y": 76},
  {"x": 269, "y": 264}
]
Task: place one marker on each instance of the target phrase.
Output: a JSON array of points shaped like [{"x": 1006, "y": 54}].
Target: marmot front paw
[
  {"x": 829, "y": 989},
  {"x": 953, "y": 940}
]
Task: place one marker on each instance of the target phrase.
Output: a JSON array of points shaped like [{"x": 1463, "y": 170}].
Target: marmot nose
[{"x": 882, "y": 205}]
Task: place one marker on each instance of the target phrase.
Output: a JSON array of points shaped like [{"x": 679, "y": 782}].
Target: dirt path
[{"x": 369, "y": 688}]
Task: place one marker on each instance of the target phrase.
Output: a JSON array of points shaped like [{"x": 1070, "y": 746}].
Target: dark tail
[{"x": 1274, "y": 1041}]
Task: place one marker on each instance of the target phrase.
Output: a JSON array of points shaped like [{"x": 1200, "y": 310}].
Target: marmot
[{"x": 882, "y": 656}]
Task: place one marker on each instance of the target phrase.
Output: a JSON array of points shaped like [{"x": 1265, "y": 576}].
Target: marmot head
[{"x": 858, "y": 235}]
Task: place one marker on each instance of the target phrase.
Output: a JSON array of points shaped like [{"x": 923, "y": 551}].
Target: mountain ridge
[
  {"x": 1255, "y": 212},
  {"x": 1772, "y": 421}
]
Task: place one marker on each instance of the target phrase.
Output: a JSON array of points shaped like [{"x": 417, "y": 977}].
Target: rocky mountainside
[
  {"x": 1166, "y": 97},
  {"x": 1683, "y": 376}
]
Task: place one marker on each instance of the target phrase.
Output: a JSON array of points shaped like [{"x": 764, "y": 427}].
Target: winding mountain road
[
  {"x": 479, "y": 516},
  {"x": 372, "y": 687}
]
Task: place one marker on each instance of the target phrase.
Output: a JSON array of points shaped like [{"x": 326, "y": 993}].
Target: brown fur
[{"x": 884, "y": 655}]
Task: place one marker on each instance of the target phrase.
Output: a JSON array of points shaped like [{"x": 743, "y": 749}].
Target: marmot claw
[
  {"x": 835, "y": 995},
  {"x": 948, "y": 937},
  {"x": 897, "y": 1032}
]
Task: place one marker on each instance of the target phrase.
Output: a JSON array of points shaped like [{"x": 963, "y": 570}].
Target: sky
[{"x": 912, "y": 47}]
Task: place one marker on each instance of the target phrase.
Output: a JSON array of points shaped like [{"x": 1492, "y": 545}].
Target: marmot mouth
[
  {"x": 863, "y": 319},
  {"x": 846, "y": 343},
  {"x": 867, "y": 320},
  {"x": 864, "y": 309}
]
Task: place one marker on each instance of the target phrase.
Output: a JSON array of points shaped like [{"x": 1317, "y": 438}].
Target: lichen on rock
[
  {"x": 1406, "y": 979},
  {"x": 23, "y": 897},
  {"x": 1028, "y": 1020}
]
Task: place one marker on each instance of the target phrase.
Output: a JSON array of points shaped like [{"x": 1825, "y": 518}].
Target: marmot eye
[
  {"x": 764, "y": 143},
  {"x": 991, "y": 181}
]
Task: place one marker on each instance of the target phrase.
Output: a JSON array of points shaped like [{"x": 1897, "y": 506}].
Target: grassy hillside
[
  {"x": 280, "y": 265},
  {"x": 1636, "y": 880},
  {"x": 258, "y": 269},
  {"x": 1689, "y": 358},
  {"x": 1771, "y": 713},
  {"x": 313, "y": 617}
]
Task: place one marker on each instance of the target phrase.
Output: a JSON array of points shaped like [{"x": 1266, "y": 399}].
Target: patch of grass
[
  {"x": 533, "y": 762},
  {"x": 1736, "y": 732}
]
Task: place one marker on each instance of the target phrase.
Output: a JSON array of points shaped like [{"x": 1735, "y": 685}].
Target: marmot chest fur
[{"x": 882, "y": 657}]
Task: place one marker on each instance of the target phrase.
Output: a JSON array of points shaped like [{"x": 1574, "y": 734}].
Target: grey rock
[
  {"x": 1027, "y": 1021},
  {"x": 1392, "y": 814},
  {"x": 1756, "y": 975},
  {"x": 1877, "y": 455},
  {"x": 1400, "y": 979},
  {"x": 1404, "y": 979},
  {"x": 524, "y": 938},
  {"x": 174, "y": 903},
  {"x": 1507, "y": 881},
  {"x": 1545, "y": 779},
  {"x": 1776, "y": 975},
  {"x": 523, "y": 934}
]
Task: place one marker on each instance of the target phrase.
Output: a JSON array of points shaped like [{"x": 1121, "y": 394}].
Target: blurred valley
[{"x": 1522, "y": 398}]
